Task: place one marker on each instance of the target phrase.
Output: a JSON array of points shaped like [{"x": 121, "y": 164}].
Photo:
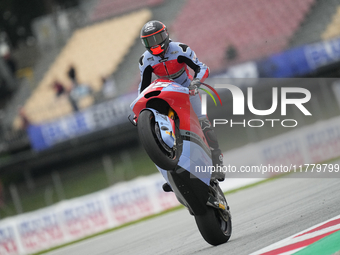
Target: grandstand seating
[
  {"x": 95, "y": 51},
  {"x": 109, "y": 8},
  {"x": 333, "y": 29},
  {"x": 254, "y": 28}
]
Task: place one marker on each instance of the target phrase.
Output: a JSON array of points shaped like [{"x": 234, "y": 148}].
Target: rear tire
[
  {"x": 153, "y": 147},
  {"x": 213, "y": 227}
]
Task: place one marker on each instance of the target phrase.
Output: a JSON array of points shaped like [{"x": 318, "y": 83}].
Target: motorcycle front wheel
[{"x": 148, "y": 132}]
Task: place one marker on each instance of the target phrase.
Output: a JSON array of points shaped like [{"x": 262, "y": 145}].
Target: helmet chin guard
[
  {"x": 156, "y": 50},
  {"x": 155, "y": 37}
]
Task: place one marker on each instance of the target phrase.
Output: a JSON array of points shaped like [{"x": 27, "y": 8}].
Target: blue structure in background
[
  {"x": 108, "y": 114},
  {"x": 295, "y": 62},
  {"x": 301, "y": 60}
]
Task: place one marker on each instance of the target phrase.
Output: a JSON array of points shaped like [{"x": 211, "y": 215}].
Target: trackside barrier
[
  {"x": 76, "y": 218},
  {"x": 308, "y": 145}
]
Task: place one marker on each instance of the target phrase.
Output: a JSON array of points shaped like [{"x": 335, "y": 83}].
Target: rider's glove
[{"x": 193, "y": 87}]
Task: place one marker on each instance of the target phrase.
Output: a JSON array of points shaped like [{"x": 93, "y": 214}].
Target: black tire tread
[
  {"x": 210, "y": 229},
  {"x": 149, "y": 143}
]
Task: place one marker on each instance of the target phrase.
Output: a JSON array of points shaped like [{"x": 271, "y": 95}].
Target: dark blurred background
[{"x": 69, "y": 70}]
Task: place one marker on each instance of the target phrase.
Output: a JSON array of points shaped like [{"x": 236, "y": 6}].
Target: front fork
[{"x": 171, "y": 115}]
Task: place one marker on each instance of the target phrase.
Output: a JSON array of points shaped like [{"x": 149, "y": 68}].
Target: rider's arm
[
  {"x": 188, "y": 57},
  {"x": 145, "y": 73}
]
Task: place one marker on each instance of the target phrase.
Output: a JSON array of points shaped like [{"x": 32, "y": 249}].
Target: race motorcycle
[{"x": 170, "y": 132}]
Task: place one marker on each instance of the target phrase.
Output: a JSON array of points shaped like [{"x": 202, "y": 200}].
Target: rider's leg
[{"x": 216, "y": 155}]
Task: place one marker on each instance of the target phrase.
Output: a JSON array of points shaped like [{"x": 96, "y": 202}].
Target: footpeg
[{"x": 167, "y": 188}]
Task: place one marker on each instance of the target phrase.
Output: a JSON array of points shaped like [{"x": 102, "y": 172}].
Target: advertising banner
[
  {"x": 97, "y": 117},
  {"x": 84, "y": 216},
  {"x": 9, "y": 242},
  {"x": 40, "y": 230},
  {"x": 293, "y": 62}
]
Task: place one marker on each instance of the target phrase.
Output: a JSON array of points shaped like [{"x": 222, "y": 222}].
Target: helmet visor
[{"x": 155, "y": 39}]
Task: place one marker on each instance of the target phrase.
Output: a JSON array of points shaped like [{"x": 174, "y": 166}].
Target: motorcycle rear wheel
[
  {"x": 153, "y": 147},
  {"x": 213, "y": 227}
]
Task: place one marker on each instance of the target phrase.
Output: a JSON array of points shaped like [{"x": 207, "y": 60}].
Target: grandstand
[
  {"x": 96, "y": 52},
  {"x": 315, "y": 23},
  {"x": 333, "y": 29},
  {"x": 104, "y": 9},
  {"x": 254, "y": 28}
]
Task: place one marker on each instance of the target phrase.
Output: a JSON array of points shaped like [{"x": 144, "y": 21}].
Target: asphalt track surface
[{"x": 262, "y": 215}]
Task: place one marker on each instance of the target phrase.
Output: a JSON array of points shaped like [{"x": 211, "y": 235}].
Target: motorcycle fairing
[
  {"x": 191, "y": 136},
  {"x": 162, "y": 85},
  {"x": 193, "y": 160},
  {"x": 165, "y": 127},
  {"x": 189, "y": 190}
]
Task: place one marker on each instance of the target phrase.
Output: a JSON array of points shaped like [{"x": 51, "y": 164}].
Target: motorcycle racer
[{"x": 167, "y": 59}]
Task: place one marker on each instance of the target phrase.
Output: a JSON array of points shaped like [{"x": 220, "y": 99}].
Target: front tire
[{"x": 147, "y": 132}]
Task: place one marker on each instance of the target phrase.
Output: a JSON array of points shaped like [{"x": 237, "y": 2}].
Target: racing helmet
[{"x": 155, "y": 37}]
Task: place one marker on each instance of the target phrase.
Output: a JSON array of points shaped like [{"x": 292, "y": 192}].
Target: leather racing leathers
[{"x": 174, "y": 65}]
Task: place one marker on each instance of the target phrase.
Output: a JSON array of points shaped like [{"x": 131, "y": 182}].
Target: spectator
[
  {"x": 59, "y": 88},
  {"x": 109, "y": 89},
  {"x": 73, "y": 75},
  {"x": 231, "y": 53},
  {"x": 74, "y": 103},
  {"x": 78, "y": 92}
]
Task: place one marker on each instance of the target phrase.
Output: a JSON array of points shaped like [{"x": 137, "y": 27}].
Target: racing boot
[
  {"x": 217, "y": 160},
  {"x": 166, "y": 187},
  {"x": 216, "y": 155}
]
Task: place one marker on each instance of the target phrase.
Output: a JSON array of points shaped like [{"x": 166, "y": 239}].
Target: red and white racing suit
[{"x": 174, "y": 65}]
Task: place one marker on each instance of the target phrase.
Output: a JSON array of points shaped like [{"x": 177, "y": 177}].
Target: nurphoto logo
[{"x": 239, "y": 105}]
